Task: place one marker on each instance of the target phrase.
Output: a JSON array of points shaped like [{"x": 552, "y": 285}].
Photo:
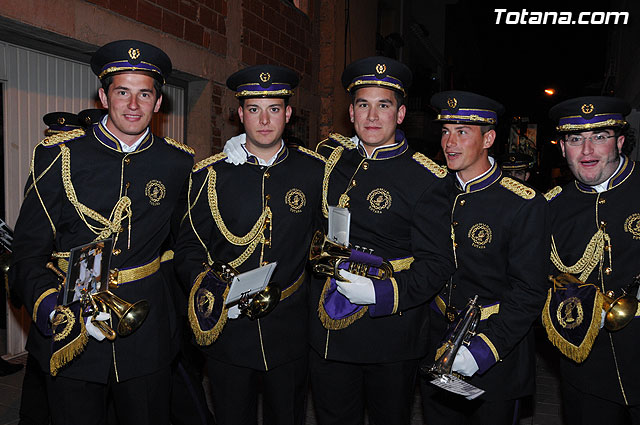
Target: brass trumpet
[
  {"x": 618, "y": 311},
  {"x": 326, "y": 257},
  {"x": 257, "y": 306}
]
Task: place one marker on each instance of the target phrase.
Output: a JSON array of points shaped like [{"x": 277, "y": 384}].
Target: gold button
[
  {"x": 127, "y": 185},
  {"x": 264, "y": 263},
  {"x": 117, "y": 251},
  {"x": 602, "y": 201},
  {"x": 462, "y": 202},
  {"x": 365, "y": 166},
  {"x": 127, "y": 160},
  {"x": 603, "y": 223},
  {"x": 266, "y": 175},
  {"x": 346, "y": 205},
  {"x": 607, "y": 271},
  {"x": 455, "y": 244},
  {"x": 267, "y": 196},
  {"x": 455, "y": 223},
  {"x": 353, "y": 182}
]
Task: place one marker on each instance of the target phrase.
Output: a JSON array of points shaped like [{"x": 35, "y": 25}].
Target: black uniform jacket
[
  {"x": 399, "y": 206},
  {"x": 55, "y": 217},
  {"x": 501, "y": 234},
  {"x": 291, "y": 189},
  {"x": 577, "y": 213}
]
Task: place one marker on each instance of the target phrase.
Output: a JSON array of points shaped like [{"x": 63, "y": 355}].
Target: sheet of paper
[
  {"x": 459, "y": 386},
  {"x": 250, "y": 283},
  {"x": 339, "y": 224}
]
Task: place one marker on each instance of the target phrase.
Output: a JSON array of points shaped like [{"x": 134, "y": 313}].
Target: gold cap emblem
[
  {"x": 134, "y": 53},
  {"x": 61, "y": 120},
  {"x": 587, "y": 108},
  {"x": 381, "y": 68},
  {"x": 452, "y": 102},
  {"x": 265, "y": 76}
]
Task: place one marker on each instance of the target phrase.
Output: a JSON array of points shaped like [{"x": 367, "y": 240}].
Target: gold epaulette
[
  {"x": 180, "y": 146},
  {"x": 553, "y": 193},
  {"x": 209, "y": 161},
  {"x": 343, "y": 140},
  {"x": 518, "y": 188},
  {"x": 62, "y": 137},
  {"x": 426, "y": 162},
  {"x": 309, "y": 152}
]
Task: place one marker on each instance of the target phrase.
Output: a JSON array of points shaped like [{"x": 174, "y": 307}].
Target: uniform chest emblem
[
  {"x": 632, "y": 225},
  {"x": 569, "y": 313},
  {"x": 155, "y": 191},
  {"x": 64, "y": 318},
  {"x": 480, "y": 235},
  {"x": 205, "y": 302},
  {"x": 295, "y": 199},
  {"x": 379, "y": 200}
]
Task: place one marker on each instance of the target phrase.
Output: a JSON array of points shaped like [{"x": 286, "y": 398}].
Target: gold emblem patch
[
  {"x": 632, "y": 225},
  {"x": 570, "y": 314},
  {"x": 63, "y": 317},
  {"x": 381, "y": 68},
  {"x": 379, "y": 200},
  {"x": 587, "y": 108},
  {"x": 480, "y": 235},
  {"x": 205, "y": 302},
  {"x": 452, "y": 102},
  {"x": 134, "y": 53},
  {"x": 295, "y": 199},
  {"x": 156, "y": 191},
  {"x": 265, "y": 76}
]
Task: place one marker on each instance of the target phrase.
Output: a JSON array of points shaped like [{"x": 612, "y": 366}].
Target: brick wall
[
  {"x": 200, "y": 22},
  {"x": 276, "y": 32}
]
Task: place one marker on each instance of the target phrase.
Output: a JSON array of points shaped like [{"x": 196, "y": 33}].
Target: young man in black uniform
[
  {"x": 596, "y": 237},
  {"x": 367, "y": 333},
  {"x": 500, "y": 232},
  {"x": 115, "y": 180},
  {"x": 246, "y": 216}
]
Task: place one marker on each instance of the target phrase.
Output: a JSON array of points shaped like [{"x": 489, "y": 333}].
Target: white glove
[
  {"x": 92, "y": 329},
  {"x": 464, "y": 363},
  {"x": 233, "y": 312},
  {"x": 358, "y": 289},
  {"x": 236, "y": 154}
]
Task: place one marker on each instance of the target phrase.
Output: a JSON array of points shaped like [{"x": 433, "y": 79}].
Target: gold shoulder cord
[
  {"x": 252, "y": 238},
  {"x": 120, "y": 211},
  {"x": 593, "y": 253},
  {"x": 34, "y": 185},
  {"x": 328, "y": 168}
]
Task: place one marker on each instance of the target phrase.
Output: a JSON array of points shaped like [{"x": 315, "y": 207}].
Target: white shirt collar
[
  {"x": 463, "y": 185},
  {"x": 261, "y": 161},
  {"x": 602, "y": 187},
  {"x": 123, "y": 145}
]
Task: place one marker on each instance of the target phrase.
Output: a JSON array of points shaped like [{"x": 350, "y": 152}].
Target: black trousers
[
  {"x": 139, "y": 401},
  {"x": 442, "y": 407},
  {"x": 341, "y": 391},
  {"x": 188, "y": 401},
  {"x": 580, "y": 408},
  {"x": 34, "y": 406},
  {"x": 234, "y": 392}
]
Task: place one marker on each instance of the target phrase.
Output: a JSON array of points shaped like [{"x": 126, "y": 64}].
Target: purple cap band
[
  {"x": 388, "y": 79},
  {"x": 579, "y": 119},
  {"x": 127, "y": 66},
  {"x": 258, "y": 87},
  {"x": 471, "y": 114}
]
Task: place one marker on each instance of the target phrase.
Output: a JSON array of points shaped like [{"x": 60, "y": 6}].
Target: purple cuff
[
  {"x": 386, "y": 301},
  {"x": 46, "y": 306},
  {"x": 482, "y": 352}
]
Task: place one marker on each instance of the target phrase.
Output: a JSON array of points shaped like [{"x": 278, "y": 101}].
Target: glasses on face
[{"x": 596, "y": 139}]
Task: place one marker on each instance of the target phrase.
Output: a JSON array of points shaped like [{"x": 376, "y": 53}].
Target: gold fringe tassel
[
  {"x": 69, "y": 351},
  {"x": 205, "y": 337},
  {"x": 333, "y": 324}
]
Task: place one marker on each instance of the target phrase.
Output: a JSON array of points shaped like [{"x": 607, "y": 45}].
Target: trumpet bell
[
  {"x": 131, "y": 316},
  {"x": 619, "y": 311},
  {"x": 263, "y": 302}
]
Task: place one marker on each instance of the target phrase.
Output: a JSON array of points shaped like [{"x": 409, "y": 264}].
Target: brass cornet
[
  {"x": 618, "y": 311},
  {"x": 254, "y": 307},
  {"x": 326, "y": 257}
]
